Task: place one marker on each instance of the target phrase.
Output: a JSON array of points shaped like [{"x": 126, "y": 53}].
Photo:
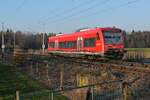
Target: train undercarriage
[{"x": 111, "y": 54}]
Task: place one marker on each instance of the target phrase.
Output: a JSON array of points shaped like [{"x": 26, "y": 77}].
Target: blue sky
[{"x": 69, "y": 15}]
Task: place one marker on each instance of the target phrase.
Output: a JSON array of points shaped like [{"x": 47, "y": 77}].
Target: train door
[
  {"x": 56, "y": 44},
  {"x": 79, "y": 43}
]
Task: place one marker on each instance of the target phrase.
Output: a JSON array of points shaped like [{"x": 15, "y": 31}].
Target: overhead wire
[
  {"x": 99, "y": 11},
  {"x": 20, "y": 5},
  {"x": 57, "y": 15},
  {"x": 16, "y": 9},
  {"x": 81, "y": 11}
]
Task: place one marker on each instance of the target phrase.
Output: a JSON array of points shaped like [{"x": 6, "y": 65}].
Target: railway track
[
  {"x": 120, "y": 65},
  {"x": 115, "y": 64}
]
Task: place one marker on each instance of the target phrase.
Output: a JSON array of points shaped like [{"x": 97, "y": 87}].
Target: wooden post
[
  {"x": 61, "y": 77},
  {"x": 143, "y": 55},
  {"x": 37, "y": 70},
  {"x": 47, "y": 71},
  {"x": 128, "y": 55},
  {"x": 37, "y": 67},
  {"x": 77, "y": 79},
  {"x": 125, "y": 94},
  {"x": 17, "y": 95},
  {"x": 92, "y": 92},
  {"x": 121, "y": 90},
  {"x": 31, "y": 70},
  {"x": 49, "y": 95},
  {"x": 47, "y": 75},
  {"x": 125, "y": 90},
  {"x": 52, "y": 96}
]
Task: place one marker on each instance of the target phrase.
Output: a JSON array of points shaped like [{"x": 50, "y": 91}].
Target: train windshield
[{"x": 112, "y": 37}]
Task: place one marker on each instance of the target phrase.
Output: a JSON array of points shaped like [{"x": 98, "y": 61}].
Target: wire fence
[
  {"x": 112, "y": 90},
  {"x": 88, "y": 92},
  {"x": 69, "y": 81}
]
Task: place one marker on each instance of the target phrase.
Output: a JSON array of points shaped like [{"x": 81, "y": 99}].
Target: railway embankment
[
  {"x": 58, "y": 72},
  {"x": 75, "y": 77}
]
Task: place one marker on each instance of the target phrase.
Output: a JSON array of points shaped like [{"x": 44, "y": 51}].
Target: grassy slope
[{"x": 11, "y": 80}]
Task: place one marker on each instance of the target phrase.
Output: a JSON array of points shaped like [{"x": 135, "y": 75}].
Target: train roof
[{"x": 85, "y": 30}]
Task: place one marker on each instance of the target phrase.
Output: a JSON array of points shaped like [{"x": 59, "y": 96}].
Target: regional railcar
[{"x": 96, "y": 41}]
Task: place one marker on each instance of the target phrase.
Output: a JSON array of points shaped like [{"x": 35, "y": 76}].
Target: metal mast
[
  {"x": 43, "y": 45},
  {"x": 3, "y": 45}
]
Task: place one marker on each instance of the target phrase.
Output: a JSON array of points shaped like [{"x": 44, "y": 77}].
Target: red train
[{"x": 97, "y": 41}]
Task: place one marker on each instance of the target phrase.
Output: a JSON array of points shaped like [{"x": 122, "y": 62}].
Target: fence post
[
  {"x": 121, "y": 90},
  {"x": 37, "y": 70},
  {"x": 52, "y": 96},
  {"x": 31, "y": 69},
  {"x": 47, "y": 72},
  {"x": 124, "y": 88},
  {"x": 17, "y": 95},
  {"x": 92, "y": 92},
  {"x": 61, "y": 77},
  {"x": 77, "y": 83},
  {"x": 49, "y": 95}
]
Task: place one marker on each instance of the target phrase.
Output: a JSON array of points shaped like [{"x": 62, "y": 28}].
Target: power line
[
  {"x": 81, "y": 11},
  {"x": 69, "y": 10},
  {"x": 20, "y": 5},
  {"x": 101, "y": 11},
  {"x": 113, "y": 8},
  {"x": 57, "y": 15}
]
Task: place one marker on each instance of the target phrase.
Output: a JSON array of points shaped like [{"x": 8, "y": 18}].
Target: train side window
[
  {"x": 67, "y": 44},
  {"x": 51, "y": 44},
  {"x": 74, "y": 43},
  {"x": 61, "y": 44},
  {"x": 89, "y": 42},
  {"x": 71, "y": 44},
  {"x": 97, "y": 36}
]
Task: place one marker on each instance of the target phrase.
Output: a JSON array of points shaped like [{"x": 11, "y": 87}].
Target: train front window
[{"x": 112, "y": 37}]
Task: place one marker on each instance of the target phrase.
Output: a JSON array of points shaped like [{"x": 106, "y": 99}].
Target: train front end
[{"x": 113, "y": 43}]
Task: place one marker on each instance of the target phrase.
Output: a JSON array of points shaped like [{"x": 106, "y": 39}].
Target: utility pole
[
  {"x": 43, "y": 45},
  {"x": 3, "y": 45},
  {"x": 14, "y": 43}
]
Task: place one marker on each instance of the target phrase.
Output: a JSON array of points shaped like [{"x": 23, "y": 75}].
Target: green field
[
  {"x": 137, "y": 53},
  {"x": 12, "y": 80},
  {"x": 138, "y": 49}
]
